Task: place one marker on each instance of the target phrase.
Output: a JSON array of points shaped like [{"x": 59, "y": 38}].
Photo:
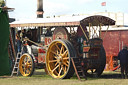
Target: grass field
[{"x": 40, "y": 78}]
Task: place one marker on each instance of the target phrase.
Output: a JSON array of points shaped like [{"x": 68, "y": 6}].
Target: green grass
[{"x": 40, "y": 78}]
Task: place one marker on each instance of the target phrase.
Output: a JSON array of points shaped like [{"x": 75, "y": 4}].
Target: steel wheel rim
[
  {"x": 57, "y": 59},
  {"x": 25, "y": 65}
]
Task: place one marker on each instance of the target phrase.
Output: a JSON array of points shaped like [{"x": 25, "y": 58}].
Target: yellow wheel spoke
[
  {"x": 23, "y": 64},
  {"x": 68, "y": 62},
  {"x": 51, "y": 61},
  {"x": 55, "y": 68},
  {"x": 65, "y": 53},
  {"x": 65, "y": 58},
  {"x": 56, "y": 63},
  {"x": 55, "y": 57},
  {"x": 54, "y": 52},
  {"x": 27, "y": 59},
  {"x": 57, "y": 52},
  {"x": 59, "y": 66},
  {"x": 60, "y": 71},
  {"x": 28, "y": 71},
  {"x": 57, "y": 47},
  {"x": 24, "y": 69},
  {"x": 29, "y": 65},
  {"x": 61, "y": 49},
  {"x": 65, "y": 64},
  {"x": 63, "y": 69},
  {"x": 24, "y": 61}
]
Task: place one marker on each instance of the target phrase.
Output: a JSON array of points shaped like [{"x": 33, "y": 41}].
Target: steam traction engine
[{"x": 66, "y": 44}]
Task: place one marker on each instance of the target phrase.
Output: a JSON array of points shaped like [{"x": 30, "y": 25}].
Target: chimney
[{"x": 40, "y": 9}]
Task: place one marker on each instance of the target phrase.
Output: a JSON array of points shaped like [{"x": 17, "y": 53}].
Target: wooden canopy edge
[{"x": 96, "y": 20}]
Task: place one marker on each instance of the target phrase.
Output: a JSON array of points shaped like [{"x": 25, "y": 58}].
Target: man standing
[
  {"x": 123, "y": 57},
  {"x": 18, "y": 41}
]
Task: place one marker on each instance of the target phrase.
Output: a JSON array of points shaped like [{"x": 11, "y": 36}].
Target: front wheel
[
  {"x": 58, "y": 59},
  {"x": 26, "y": 65}
]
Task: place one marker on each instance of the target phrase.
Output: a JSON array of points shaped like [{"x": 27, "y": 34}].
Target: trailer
[
  {"x": 64, "y": 45},
  {"x": 114, "y": 41}
]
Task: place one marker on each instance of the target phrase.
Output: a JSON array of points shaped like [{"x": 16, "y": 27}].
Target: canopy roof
[{"x": 64, "y": 21}]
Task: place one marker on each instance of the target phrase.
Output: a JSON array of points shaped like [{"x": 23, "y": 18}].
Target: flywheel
[{"x": 60, "y": 33}]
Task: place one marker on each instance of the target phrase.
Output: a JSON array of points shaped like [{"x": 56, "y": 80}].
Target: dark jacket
[{"x": 123, "y": 56}]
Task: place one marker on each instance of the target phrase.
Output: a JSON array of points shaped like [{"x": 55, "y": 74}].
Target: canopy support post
[
  {"x": 100, "y": 30},
  {"x": 84, "y": 33},
  {"x": 105, "y": 32}
]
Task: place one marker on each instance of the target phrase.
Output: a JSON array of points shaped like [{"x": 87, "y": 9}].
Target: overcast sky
[{"x": 27, "y": 8}]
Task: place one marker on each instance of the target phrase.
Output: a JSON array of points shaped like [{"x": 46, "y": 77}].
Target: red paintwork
[
  {"x": 48, "y": 40},
  {"x": 113, "y": 39},
  {"x": 41, "y": 58},
  {"x": 86, "y": 49},
  {"x": 41, "y": 50}
]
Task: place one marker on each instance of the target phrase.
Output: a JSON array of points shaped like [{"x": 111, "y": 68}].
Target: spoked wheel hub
[
  {"x": 60, "y": 59},
  {"x": 27, "y": 65}
]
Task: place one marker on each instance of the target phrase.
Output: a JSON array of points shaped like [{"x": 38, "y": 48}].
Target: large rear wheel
[
  {"x": 58, "y": 60},
  {"x": 26, "y": 65},
  {"x": 102, "y": 60},
  {"x": 100, "y": 66}
]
